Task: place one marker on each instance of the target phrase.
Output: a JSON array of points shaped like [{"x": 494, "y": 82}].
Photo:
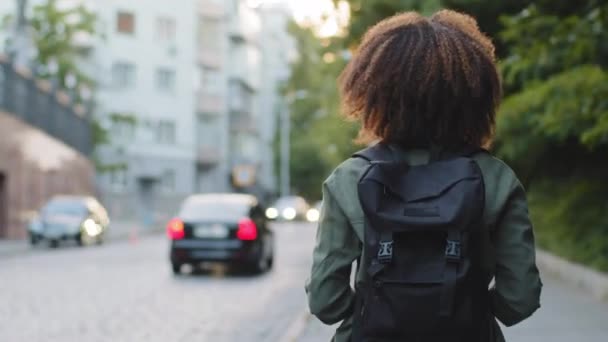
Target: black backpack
[{"x": 422, "y": 247}]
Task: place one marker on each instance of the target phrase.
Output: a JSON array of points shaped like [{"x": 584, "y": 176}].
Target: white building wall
[
  {"x": 278, "y": 47},
  {"x": 161, "y": 162}
]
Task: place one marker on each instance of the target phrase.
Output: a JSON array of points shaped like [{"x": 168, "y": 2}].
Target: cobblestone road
[{"x": 126, "y": 292}]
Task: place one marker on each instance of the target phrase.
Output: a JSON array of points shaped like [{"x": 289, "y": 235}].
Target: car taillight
[
  {"x": 247, "y": 230},
  {"x": 175, "y": 229}
]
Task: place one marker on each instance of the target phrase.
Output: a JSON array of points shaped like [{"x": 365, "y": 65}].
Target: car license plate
[{"x": 214, "y": 231}]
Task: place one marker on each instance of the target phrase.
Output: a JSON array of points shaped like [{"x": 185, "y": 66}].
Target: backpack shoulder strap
[{"x": 376, "y": 153}]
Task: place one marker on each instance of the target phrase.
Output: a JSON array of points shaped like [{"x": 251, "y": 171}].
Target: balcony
[
  {"x": 36, "y": 103},
  {"x": 209, "y": 103},
  {"x": 208, "y": 156},
  {"x": 210, "y": 9},
  {"x": 211, "y": 58}
]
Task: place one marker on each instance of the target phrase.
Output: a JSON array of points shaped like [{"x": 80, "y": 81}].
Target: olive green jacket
[{"x": 509, "y": 252}]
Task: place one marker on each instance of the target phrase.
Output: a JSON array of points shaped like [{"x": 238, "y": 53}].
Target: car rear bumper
[{"x": 194, "y": 251}]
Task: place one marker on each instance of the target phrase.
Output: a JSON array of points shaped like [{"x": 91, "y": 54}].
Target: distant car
[
  {"x": 225, "y": 228},
  {"x": 288, "y": 208},
  {"x": 313, "y": 214},
  {"x": 79, "y": 218}
]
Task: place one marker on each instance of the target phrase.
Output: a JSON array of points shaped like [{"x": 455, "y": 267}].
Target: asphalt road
[{"x": 126, "y": 292}]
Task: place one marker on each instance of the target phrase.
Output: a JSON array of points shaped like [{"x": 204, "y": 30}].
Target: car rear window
[{"x": 213, "y": 211}]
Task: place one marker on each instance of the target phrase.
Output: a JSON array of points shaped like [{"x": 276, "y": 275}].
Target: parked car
[
  {"x": 225, "y": 228},
  {"x": 288, "y": 208},
  {"x": 79, "y": 218}
]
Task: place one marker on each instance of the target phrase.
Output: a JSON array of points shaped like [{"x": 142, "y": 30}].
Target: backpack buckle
[
  {"x": 385, "y": 252},
  {"x": 453, "y": 250}
]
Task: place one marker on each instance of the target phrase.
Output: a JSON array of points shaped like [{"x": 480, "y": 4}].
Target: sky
[{"x": 313, "y": 12}]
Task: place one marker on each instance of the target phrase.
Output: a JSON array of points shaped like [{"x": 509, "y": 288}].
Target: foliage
[
  {"x": 367, "y": 13},
  {"x": 542, "y": 44},
  {"x": 55, "y": 31},
  {"x": 552, "y": 126},
  {"x": 571, "y": 104},
  {"x": 128, "y": 118},
  {"x": 100, "y": 135},
  {"x": 575, "y": 225},
  {"x": 320, "y": 139}
]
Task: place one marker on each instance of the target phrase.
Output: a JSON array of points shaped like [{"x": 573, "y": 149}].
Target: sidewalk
[
  {"x": 574, "y": 307},
  {"x": 125, "y": 230}
]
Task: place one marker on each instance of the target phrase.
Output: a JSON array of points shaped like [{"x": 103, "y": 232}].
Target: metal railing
[{"x": 41, "y": 105}]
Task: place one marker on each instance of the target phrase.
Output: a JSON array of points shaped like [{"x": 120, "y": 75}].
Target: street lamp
[{"x": 285, "y": 133}]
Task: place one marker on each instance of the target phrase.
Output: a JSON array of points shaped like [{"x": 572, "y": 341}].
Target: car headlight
[
  {"x": 312, "y": 215},
  {"x": 272, "y": 213},
  {"x": 91, "y": 228},
  {"x": 289, "y": 213}
]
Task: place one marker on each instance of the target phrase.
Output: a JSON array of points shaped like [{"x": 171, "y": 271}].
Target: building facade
[
  {"x": 187, "y": 91},
  {"x": 238, "y": 119},
  {"x": 145, "y": 100}
]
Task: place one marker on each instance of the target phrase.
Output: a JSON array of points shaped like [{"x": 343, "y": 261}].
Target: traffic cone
[{"x": 133, "y": 236}]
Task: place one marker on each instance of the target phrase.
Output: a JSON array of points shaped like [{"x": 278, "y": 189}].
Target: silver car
[{"x": 78, "y": 218}]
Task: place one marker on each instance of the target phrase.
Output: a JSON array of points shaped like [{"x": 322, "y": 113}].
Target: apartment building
[
  {"x": 187, "y": 91},
  {"x": 145, "y": 100},
  {"x": 238, "y": 120}
]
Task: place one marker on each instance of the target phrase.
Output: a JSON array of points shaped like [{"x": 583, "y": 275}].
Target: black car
[
  {"x": 79, "y": 218},
  {"x": 226, "y": 228}
]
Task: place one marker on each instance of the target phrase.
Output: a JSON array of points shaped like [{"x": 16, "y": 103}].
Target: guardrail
[{"x": 40, "y": 104}]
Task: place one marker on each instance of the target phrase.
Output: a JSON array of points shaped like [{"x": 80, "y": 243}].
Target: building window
[
  {"x": 168, "y": 180},
  {"x": 125, "y": 22},
  {"x": 123, "y": 75},
  {"x": 165, "y": 132},
  {"x": 165, "y": 79},
  {"x": 123, "y": 131},
  {"x": 210, "y": 34},
  {"x": 118, "y": 178},
  {"x": 165, "y": 29},
  {"x": 211, "y": 81}
]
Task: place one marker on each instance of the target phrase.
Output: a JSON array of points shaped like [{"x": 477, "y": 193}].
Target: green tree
[
  {"x": 319, "y": 138},
  {"x": 55, "y": 32},
  {"x": 365, "y": 14},
  {"x": 553, "y": 125}
]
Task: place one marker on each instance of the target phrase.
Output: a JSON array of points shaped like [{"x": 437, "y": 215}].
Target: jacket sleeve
[
  {"x": 516, "y": 294},
  {"x": 330, "y": 296}
]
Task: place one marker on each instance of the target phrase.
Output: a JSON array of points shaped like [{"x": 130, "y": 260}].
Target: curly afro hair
[{"x": 417, "y": 81}]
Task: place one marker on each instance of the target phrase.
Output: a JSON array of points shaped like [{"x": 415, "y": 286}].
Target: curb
[{"x": 584, "y": 278}]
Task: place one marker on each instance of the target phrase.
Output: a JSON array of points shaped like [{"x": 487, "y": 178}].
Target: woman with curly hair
[{"x": 423, "y": 86}]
